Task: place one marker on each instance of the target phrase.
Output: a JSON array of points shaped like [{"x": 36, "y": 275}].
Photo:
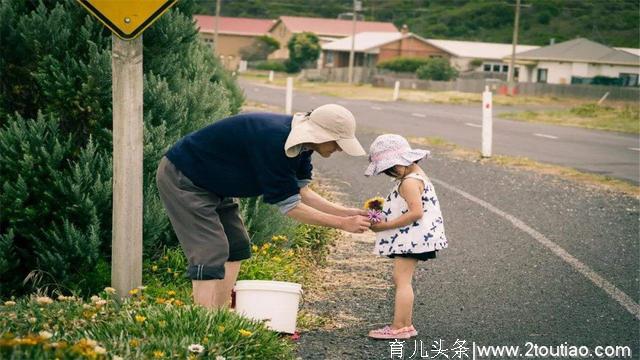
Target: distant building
[
  {"x": 233, "y": 35},
  {"x": 327, "y": 30},
  {"x": 579, "y": 61}
]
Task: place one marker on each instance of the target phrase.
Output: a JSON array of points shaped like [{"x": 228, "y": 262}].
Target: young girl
[{"x": 413, "y": 229}]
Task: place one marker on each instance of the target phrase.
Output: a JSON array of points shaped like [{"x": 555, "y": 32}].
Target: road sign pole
[
  {"x": 487, "y": 122},
  {"x": 126, "y": 63},
  {"x": 289, "y": 96}
]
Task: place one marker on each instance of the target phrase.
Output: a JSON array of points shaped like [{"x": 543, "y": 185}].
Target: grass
[
  {"x": 625, "y": 118},
  {"x": 523, "y": 163}
]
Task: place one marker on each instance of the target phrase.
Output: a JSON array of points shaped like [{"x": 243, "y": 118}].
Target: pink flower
[{"x": 375, "y": 216}]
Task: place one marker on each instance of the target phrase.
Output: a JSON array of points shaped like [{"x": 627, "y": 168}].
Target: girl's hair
[{"x": 391, "y": 172}]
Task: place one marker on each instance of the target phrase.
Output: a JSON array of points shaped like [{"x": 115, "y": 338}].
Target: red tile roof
[
  {"x": 231, "y": 25},
  {"x": 333, "y": 27}
]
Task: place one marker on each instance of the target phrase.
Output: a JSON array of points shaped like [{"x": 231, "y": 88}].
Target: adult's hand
[{"x": 355, "y": 224}]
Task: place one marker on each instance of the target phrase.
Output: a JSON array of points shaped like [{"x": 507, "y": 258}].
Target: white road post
[
  {"x": 487, "y": 122},
  {"x": 271, "y": 76},
  {"x": 396, "y": 91},
  {"x": 289, "y": 96}
]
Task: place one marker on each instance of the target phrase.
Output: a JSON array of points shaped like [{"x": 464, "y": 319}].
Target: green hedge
[{"x": 403, "y": 64}]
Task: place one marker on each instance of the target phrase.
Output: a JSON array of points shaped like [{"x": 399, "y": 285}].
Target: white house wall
[{"x": 561, "y": 73}]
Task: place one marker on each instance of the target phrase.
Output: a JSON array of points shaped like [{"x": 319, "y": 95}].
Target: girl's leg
[
  {"x": 224, "y": 287},
  {"x": 403, "y": 269}
]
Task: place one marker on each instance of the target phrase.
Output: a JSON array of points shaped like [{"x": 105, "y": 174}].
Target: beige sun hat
[{"x": 328, "y": 122}]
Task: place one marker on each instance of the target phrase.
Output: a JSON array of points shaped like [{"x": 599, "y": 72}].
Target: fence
[
  {"x": 535, "y": 89},
  {"x": 360, "y": 74}
]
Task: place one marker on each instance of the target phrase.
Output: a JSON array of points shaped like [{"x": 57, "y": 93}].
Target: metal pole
[
  {"x": 126, "y": 63},
  {"x": 512, "y": 64},
  {"x": 487, "y": 122},
  {"x": 353, "y": 43},
  {"x": 289, "y": 96},
  {"x": 215, "y": 34}
]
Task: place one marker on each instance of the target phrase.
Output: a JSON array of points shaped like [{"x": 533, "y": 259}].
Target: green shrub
[
  {"x": 260, "y": 48},
  {"x": 402, "y": 64},
  {"x": 437, "y": 69},
  {"x": 274, "y": 65},
  {"x": 304, "y": 49},
  {"x": 56, "y": 141}
]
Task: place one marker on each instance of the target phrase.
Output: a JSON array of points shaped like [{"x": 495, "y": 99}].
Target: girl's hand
[{"x": 377, "y": 227}]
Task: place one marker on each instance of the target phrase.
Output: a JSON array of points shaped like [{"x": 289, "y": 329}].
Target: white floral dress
[{"x": 424, "y": 235}]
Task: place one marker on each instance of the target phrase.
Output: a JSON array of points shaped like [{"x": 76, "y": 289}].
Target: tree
[
  {"x": 260, "y": 49},
  {"x": 304, "y": 48},
  {"x": 437, "y": 69},
  {"x": 56, "y": 141}
]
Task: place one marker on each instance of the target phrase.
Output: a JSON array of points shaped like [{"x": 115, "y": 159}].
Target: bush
[
  {"x": 437, "y": 69},
  {"x": 402, "y": 64},
  {"x": 271, "y": 65},
  {"x": 56, "y": 141},
  {"x": 260, "y": 49}
]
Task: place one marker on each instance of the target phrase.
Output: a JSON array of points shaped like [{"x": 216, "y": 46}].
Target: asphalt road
[
  {"x": 531, "y": 258},
  {"x": 607, "y": 153}
]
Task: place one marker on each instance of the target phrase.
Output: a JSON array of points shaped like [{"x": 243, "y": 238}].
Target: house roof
[
  {"x": 633, "y": 51},
  {"x": 232, "y": 25},
  {"x": 477, "y": 50},
  {"x": 581, "y": 50},
  {"x": 332, "y": 27},
  {"x": 368, "y": 42}
]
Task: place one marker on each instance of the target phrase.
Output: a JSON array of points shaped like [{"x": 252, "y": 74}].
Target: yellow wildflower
[
  {"x": 134, "y": 343},
  {"x": 254, "y": 248},
  {"x": 244, "y": 332},
  {"x": 158, "y": 354},
  {"x": 140, "y": 318},
  {"x": 171, "y": 293},
  {"x": 375, "y": 203},
  {"x": 162, "y": 323},
  {"x": 134, "y": 291},
  {"x": 169, "y": 270},
  {"x": 160, "y": 300},
  {"x": 165, "y": 258},
  {"x": 221, "y": 328},
  {"x": 276, "y": 259},
  {"x": 178, "y": 303},
  {"x": 154, "y": 268}
]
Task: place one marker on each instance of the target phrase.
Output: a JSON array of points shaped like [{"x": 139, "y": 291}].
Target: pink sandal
[{"x": 388, "y": 333}]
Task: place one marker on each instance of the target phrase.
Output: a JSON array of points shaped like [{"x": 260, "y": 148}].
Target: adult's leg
[
  {"x": 403, "y": 269},
  {"x": 239, "y": 248}
]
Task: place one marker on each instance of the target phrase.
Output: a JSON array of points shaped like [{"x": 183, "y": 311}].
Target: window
[
  {"x": 329, "y": 57},
  {"x": 486, "y": 68},
  {"x": 505, "y": 68},
  {"x": 496, "y": 68},
  {"x": 542, "y": 75},
  {"x": 629, "y": 79}
]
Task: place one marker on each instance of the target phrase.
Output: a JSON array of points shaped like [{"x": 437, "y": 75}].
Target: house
[
  {"x": 233, "y": 35},
  {"x": 478, "y": 56},
  {"x": 578, "y": 61},
  {"x": 327, "y": 30},
  {"x": 373, "y": 47}
]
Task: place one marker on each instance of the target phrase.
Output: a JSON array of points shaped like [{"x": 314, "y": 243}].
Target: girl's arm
[
  {"x": 312, "y": 199},
  {"x": 411, "y": 191}
]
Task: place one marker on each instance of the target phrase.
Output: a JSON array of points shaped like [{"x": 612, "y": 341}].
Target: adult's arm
[
  {"x": 314, "y": 200},
  {"x": 308, "y": 215}
]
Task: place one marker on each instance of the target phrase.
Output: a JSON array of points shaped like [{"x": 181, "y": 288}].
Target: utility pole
[
  {"x": 512, "y": 64},
  {"x": 215, "y": 34},
  {"x": 357, "y": 5}
]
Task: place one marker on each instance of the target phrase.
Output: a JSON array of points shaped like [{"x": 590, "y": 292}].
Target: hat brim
[
  {"x": 351, "y": 147},
  {"x": 405, "y": 159}
]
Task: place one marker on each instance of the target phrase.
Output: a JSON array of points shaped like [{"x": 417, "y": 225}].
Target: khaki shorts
[{"x": 209, "y": 228}]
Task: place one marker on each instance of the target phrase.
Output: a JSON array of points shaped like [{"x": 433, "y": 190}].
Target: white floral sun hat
[{"x": 389, "y": 150}]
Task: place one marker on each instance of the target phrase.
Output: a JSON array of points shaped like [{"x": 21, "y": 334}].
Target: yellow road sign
[{"x": 127, "y": 18}]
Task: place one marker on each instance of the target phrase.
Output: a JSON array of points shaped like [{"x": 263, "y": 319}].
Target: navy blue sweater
[{"x": 243, "y": 156}]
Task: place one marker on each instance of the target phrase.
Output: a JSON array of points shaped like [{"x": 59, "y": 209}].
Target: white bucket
[{"x": 275, "y": 301}]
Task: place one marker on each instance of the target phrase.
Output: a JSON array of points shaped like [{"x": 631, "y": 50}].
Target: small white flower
[
  {"x": 116, "y": 357},
  {"x": 91, "y": 342},
  {"x": 196, "y": 348},
  {"x": 62, "y": 298},
  {"x": 100, "y": 350},
  {"x": 86, "y": 306},
  {"x": 94, "y": 298},
  {"x": 101, "y": 302},
  {"x": 142, "y": 287},
  {"x": 32, "y": 320},
  {"x": 110, "y": 290},
  {"x": 220, "y": 357},
  {"x": 45, "y": 334},
  {"x": 9, "y": 303}
]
